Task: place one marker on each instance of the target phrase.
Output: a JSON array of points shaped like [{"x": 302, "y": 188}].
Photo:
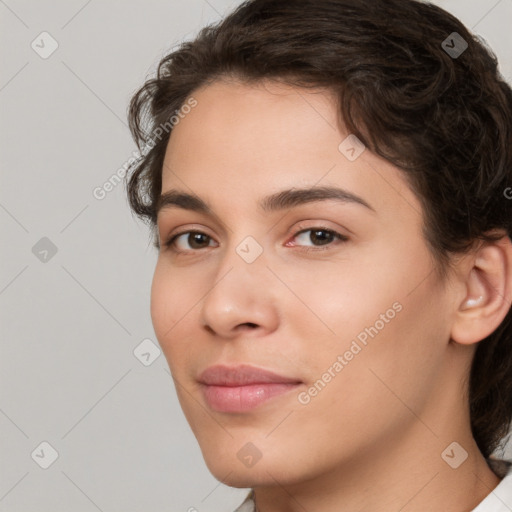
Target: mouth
[{"x": 242, "y": 388}]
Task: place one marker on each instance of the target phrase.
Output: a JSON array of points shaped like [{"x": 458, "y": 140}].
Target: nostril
[{"x": 209, "y": 329}]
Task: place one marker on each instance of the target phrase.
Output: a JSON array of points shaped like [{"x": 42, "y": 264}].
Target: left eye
[
  {"x": 323, "y": 236},
  {"x": 197, "y": 240}
]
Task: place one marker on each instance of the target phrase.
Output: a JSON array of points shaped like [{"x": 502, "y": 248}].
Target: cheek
[
  {"x": 385, "y": 313},
  {"x": 171, "y": 302},
  {"x": 371, "y": 397},
  {"x": 162, "y": 307},
  {"x": 337, "y": 300}
]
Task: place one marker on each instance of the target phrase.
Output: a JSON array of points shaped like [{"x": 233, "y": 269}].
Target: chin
[
  {"x": 240, "y": 481},
  {"x": 234, "y": 473},
  {"x": 234, "y": 476}
]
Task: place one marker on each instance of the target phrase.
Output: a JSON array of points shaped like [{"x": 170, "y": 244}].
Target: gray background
[{"x": 71, "y": 319}]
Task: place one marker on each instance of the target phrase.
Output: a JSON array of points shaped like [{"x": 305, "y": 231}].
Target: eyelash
[{"x": 170, "y": 243}]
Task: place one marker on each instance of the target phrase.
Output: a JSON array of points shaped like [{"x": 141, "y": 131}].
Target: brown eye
[
  {"x": 194, "y": 239},
  {"x": 318, "y": 236}
]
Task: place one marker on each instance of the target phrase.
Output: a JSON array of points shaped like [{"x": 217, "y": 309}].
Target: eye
[
  {"x": 191, "y": 241},
  {"x": 319, "y": 236},
  {"x": 195, "y": 239}
]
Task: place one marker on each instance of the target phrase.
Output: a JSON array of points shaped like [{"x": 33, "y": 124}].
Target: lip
[{"x": 243, "y": 387}]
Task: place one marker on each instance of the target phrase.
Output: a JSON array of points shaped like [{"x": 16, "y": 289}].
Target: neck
[
  {"x": 406, "y": 471},
  {"x": 412, "y": 478}
]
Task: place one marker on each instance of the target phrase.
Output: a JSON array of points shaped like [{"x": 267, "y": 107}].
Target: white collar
[{"x": 500, "y": 498}]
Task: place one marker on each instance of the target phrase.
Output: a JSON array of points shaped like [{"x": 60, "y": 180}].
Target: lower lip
[{"x": 243, "y": 398}]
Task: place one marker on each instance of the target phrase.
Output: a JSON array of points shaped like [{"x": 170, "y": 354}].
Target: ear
[{"x": 487, "y": 294}]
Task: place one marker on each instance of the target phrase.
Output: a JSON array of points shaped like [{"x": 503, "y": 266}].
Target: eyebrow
[{"x": 278, "y": 201}]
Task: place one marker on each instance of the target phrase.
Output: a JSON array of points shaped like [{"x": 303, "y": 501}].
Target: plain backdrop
[{"x": 76, "y": 395}]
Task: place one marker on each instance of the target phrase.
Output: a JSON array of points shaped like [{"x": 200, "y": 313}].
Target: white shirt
[{"x": 499, "y": 500}]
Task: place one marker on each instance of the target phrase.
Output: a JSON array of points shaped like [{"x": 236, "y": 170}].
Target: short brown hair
[{"x": 445, "y": 120}]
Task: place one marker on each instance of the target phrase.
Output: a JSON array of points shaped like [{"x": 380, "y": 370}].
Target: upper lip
[{"x": 241, "y": 375}]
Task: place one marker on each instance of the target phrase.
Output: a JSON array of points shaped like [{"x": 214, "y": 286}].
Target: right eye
[{"x": 195, "y": 239}]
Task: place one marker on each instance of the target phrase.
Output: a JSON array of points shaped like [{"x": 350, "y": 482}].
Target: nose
[{"x": 242, "y": 300}]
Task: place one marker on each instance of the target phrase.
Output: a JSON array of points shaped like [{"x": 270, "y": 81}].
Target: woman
[{"x": 326, "y": 182}]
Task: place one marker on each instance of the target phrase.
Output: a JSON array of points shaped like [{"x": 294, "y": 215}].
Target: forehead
[
  {"x": 241, "y": 121},
  {"x": 244, "y": 141}
]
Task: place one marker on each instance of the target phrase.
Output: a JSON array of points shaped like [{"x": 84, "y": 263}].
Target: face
[{"x": 299, "y": 301}]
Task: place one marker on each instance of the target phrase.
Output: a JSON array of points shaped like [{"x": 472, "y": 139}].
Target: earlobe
[{"x": 488, "y": 291}]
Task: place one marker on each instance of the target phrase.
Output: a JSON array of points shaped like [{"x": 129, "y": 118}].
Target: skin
[{"x": 372, "y": 438}]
